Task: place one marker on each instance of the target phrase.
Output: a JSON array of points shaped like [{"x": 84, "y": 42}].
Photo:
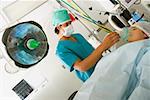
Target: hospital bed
[{"x": 121, "y": 75}]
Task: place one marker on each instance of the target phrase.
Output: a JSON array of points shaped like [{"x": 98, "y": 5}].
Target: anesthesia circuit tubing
[{"x": 85, "y": 15}]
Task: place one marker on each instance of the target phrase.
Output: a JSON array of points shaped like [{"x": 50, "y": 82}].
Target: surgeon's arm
[{"x": 91, "y": 60}]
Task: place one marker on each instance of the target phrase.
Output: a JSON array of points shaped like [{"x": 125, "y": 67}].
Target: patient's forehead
[{"x": 131, "y": 29}]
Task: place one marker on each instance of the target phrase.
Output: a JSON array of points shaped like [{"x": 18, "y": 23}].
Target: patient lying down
[{"x": 139, "y": 31}]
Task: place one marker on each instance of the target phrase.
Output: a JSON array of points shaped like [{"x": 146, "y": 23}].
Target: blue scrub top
[{"x": 69, "y": 52}]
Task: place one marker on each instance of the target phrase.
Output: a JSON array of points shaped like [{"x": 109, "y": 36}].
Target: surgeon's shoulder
[
  {"x": 60, "y": 48},
  {"x": 78, "y": 35}
]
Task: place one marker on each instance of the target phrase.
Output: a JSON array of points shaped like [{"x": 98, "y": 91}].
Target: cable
[
  {"x": 95, "y": 23},
  {"x": 140, "y": 18},
  {"x": 87, "y": 17},
  {"x": 83, "y": 24},
  {"x": 73, "y": 8},
  {"x": 137, "y": 2}
]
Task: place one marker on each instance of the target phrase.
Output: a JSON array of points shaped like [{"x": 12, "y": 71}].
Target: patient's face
[{"x": 136, "y": 34}]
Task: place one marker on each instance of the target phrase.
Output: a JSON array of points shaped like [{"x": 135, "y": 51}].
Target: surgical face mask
[
  {"x": 68, "y": 31},
  {"x": 125, "y": 34}
]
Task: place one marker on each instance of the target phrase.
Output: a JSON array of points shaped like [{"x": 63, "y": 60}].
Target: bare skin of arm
[{"x": 91, "y": 60}]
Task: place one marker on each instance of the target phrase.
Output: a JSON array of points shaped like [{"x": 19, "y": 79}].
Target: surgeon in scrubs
[{"x": 74, "y": 50}]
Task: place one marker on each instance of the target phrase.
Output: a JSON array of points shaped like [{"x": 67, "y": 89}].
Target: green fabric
[
  {"x": 124, "y": 35},
  {"x": 60, "y": 16}
]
